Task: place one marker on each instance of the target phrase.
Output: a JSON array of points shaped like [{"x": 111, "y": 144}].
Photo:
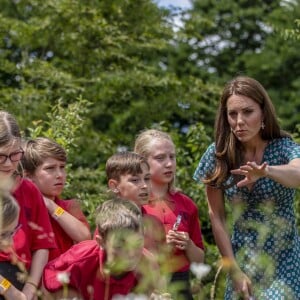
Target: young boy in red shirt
[
  {"x": 106, "y": 266},
  {"x": 128, "y": 177},
  {"x": 44, "y": 163}
]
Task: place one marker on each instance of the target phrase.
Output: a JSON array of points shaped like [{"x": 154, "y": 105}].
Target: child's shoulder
[
  {"x": 82, "y": 256},
  {"x": 27, "y": 193},
  {"x": 178, "y": 195},
  {"x": 183, "y": 200},
  {"x": 27, "y": 186},
  {"x": 83, "y": 251}
]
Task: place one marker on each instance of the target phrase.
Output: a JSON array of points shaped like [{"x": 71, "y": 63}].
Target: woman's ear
[{"x": 113, "y": 185}]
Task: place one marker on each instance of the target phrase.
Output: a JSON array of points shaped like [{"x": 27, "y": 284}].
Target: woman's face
[
  {"x": 245, "y": 117},
  {"x": 10, "y": 156}
]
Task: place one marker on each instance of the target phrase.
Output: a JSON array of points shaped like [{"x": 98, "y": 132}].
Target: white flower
[
  {"x": 63, "y": 277},
  {"x": 200, "y": 270}
]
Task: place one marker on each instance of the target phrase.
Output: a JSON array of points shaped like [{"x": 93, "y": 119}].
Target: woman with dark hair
[{"x": 256, "y": 167}]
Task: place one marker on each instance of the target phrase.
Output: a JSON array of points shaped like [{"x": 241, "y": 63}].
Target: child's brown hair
[
  {"x": 39, "y": 149},
  {"x": 123, "y": 163}
]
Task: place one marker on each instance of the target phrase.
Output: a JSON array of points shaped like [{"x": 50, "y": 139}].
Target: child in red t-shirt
[
  {"x": 176, "y": 211},
  {"x": 128, "y": 176},
  {"x": 35, "y": 237},
  {"x": 44, "y": 163},
  {"x": 9, "y": 285},
  {"x": 107, "y": 266}
]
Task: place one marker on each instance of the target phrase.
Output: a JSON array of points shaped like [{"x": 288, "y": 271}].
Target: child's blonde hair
[{"x": 115, "y": 214}]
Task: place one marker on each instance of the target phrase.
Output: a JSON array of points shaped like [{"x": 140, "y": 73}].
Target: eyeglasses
[
  {"x": 15, "y": 156},
  {"x": 9, "y": 234}
]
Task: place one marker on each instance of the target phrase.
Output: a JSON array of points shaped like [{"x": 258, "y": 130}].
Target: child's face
[
  {"x": 135, "y": 188},
  {"x": 124, "y": 250},
  {"x": 6, "y": 235},
  {"x": 50, "y": 177},
  {"x": 162, "y": 161},
  {"x": 11, "y": 155}
]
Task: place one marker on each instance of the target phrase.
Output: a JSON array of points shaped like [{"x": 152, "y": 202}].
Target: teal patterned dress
[{"x": 265, "y": 239}]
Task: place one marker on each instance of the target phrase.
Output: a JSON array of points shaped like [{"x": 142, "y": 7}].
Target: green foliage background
[{"x": 92, "y": 74}]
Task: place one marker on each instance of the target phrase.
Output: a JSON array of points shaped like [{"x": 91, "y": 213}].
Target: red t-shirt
[
  {"x": 36, "y": 231},
  {"x": 179, "y": 204},
  {"x": 84, "y": 264},
  {"x": 63, "y": 241}
]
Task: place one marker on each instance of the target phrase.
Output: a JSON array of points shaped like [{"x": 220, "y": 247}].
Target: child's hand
[
  {"x": 180, "y": 239},
  {"x": 49, "y": 204}
]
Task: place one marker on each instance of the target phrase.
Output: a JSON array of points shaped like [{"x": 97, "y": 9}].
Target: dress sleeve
[
  {"x": 290, "y": 149},
  {"x": 206, "y": 164}
]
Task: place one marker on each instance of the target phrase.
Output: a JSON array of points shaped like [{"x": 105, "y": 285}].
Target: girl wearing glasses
[{"x": 34, "y": 239}]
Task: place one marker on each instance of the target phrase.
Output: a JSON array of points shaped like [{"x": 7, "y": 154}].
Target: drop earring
[{"x": 263, "y": 125}]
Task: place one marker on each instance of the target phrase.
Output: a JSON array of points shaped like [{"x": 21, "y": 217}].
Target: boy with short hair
[
  {"x": 128, "y": 176},
  {"x": 108, "y": 265},
  {"x": 44, "y": 163}
]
